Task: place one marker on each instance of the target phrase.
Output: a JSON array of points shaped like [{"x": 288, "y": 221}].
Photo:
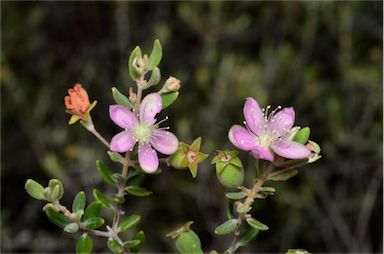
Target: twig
[{"x": 251, "y": 196}]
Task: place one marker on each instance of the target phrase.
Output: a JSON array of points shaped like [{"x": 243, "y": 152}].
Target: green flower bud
[
  {"x": 230, "y": 176},
  {"x": 188, "y": 242},
  {"x": 171, "y": 85},
  {"x": 229, "y": 169}
]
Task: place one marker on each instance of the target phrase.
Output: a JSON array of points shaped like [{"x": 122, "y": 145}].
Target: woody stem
[{"x": 251, "y": 196}]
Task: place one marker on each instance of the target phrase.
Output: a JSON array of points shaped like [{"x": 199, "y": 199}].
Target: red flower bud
[{"x": 77, "y": 103}]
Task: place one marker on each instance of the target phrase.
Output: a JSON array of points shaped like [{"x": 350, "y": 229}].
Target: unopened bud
[{"x": 171, "y": 85}]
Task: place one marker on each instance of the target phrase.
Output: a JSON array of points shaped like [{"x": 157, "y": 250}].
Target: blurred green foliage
[{"x": 324, "y": 58}]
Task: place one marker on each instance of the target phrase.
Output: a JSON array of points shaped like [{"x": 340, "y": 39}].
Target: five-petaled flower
[
  {"x": 77, "y": 103},
  {"x": 267, "y": 133},
  {"x": 144, "y": 130}
]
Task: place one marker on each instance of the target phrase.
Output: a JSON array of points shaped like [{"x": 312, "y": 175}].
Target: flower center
[
  {"x": 266, "y": 139},
  {"x": 142, "y": 133}
]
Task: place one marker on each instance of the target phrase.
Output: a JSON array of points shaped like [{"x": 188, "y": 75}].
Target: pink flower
[
  {"x": 143, "y": 129},
  {"x": 266, "y": 134}
]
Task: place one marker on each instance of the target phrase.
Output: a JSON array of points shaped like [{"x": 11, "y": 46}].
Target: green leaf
[
  {"x": 79, "y": 214},
  {"x": 71, "y": 228},
  {"x": 135, "y": 180},
  {"x": 114, "y": 156},
  {"x": 302, "y": 135},
  {"x": 54, "y": 191},
  {"x": 235, "y": 195},
  {"x": 105, "y": 173},
  {"x": 132, "y": 72},
  {"x": 156, "y": 54},
  {"x": 99, "y": 196},
  {"x": 268, "y": 190},
  {"x": 121, "y": 99},
  {"x": 138, "y": 191},
  {"x": 131, "y": 243},
  {"x": 154, "y": 79},
  {"x": 93, "y": 210},
  {"x": 78, "y": 202},
  {"x": 34, "y": 189},
  {"x": 93, "y": 222},
  {"x": 257, "y": 224},
  {"x": 84, "y": 244},
  {"x": 115, "y": 246},
  {"x": 129, "y": 222},
  {"x": 229, "y": 209},
  {"x": 140, "y": 236},
  {"x": 248, "y": 236},
  {"x": 169, "y": 98},
  {"x": 284, "y": 176},
  {"x": 226, "y": 228},
  {"x": 57, "y": 218}
]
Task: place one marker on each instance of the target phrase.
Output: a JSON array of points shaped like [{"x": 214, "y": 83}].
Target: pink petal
[
  {"x": 282, "y": 121},
  {"x": 291, "y": 150},
  {"x": 122, "y": 142},
  {"x": 261, "y": 153},
  {"x": 242, "y": 138},
  {"x": 148, "y": 159},
  {"x": 150, "y": 106},
  {"x": 122, "y": 116},
  {"x": 164, "y": 141},
  {"x": 253, "y": 116}
]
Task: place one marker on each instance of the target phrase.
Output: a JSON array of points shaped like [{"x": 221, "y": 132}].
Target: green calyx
[
  {"x": 188, "y": 156},
  {"x": 229, "y": 169},
  {"x": 186, "y": 240}
]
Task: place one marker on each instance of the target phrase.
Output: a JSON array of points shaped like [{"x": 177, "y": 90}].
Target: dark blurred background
[{"x": 324, "y": 58}]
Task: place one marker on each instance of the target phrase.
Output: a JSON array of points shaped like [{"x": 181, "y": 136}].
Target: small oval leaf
[
  {"x": 121, "y": 98},
  {"x": 105, "y": 173},
  {"x": 93, "y": 210},
  {"x": 138, "y": 191},
  {"x": 257, "y": 224},
  {"x": 71, "y": 228},
  {"x": 248, "y": 236},
  {"x": 99, "y": 196},
  {"x": 284, "y": 176},
  {"x": 34, "y": 189},
  {"x": 235, "y": 195},
  {"x": 131, "y": 243},
  {"x": 129, "y": 222},
  {"x": 156, "y": 55},
  {"x": 132, "y": 72},
  {"x": 93, "y": 222},
  {"x": 78, "y": 202},
  {"x": 115, "y": 246},
  {"x": 84, "y": 244},
  {"x": 227, "y": 227},
  {"x": 140, "y": 236},
  {"x": 57, "y": 218},
  {"x": 169, "y": 98}
]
